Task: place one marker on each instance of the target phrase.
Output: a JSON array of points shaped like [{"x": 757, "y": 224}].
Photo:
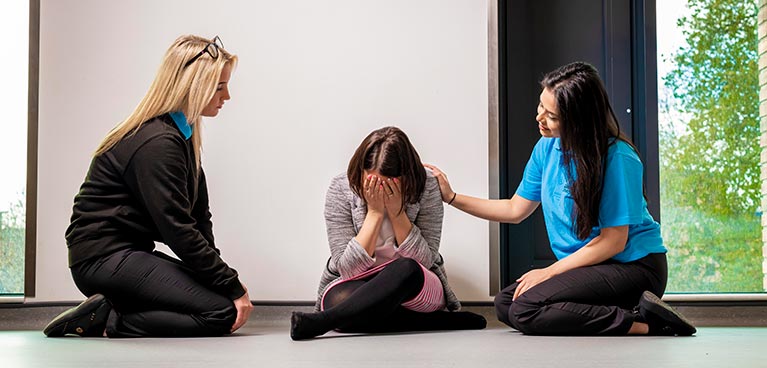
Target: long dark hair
[
  {"x": 389, "y": 151},
  {"x": 588, "y": 126}
]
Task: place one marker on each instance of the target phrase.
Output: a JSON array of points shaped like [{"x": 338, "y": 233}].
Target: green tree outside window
[
  {"x": 12, "y": 226},
  {"x": 710, "y": 184}
]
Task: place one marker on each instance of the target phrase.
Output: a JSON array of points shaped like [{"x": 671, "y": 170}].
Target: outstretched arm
[{"x": 512, "y": 210}]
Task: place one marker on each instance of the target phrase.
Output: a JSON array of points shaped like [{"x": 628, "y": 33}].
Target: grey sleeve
[
  {"x": 422, "y": 244},
  {"x": 346, "y": 255}
]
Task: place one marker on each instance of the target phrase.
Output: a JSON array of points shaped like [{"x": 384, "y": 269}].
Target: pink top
[{"x": 386, "y": 244}]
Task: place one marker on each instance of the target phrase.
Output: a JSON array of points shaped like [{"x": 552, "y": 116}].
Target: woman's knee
[
  {"x": 405, "y": 266},
  {"x": 518, "y": 313},
  {"x": 230, "y": 312},
  {"x": 503, "y": 303},
  {"x": 220, "y": 318},
  {"x": 523, "y": 316},
  {"x": 405, "y": 271}
]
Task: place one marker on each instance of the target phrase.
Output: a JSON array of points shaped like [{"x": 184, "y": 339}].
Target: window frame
[{"x": 30, "y": 253}]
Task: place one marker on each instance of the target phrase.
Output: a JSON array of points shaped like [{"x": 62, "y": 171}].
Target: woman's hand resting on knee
[
  {"x": 530, "y": 279},
  {"x": 244, "y": 307}
]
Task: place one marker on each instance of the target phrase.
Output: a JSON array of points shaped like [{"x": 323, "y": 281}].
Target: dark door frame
[{"x": 630, "y": 74}]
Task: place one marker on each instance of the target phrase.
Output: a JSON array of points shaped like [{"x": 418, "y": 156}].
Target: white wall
[{"x": 315, "y": 77}]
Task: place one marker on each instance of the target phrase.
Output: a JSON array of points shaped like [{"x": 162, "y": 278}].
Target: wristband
[{"x": 452, "y": 199}]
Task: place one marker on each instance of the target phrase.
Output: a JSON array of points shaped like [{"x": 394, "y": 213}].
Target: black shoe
[
  {"x": 662, "y": 319},
  {"x": 87, "y": 319}
]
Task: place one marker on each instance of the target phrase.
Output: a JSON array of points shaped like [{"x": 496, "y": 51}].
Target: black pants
[
  {"x": 153, "y": 294},
  {"x": 592, "y": 300}
]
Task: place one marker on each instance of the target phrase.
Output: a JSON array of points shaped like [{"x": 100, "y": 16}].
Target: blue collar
[{"x": 183, "y": 126}]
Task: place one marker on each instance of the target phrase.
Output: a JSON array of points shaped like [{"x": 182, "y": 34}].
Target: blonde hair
[{"x": 177, "y": 87}]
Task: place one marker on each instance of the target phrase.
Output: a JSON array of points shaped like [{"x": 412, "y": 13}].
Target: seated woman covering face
[{"x": 385, "y": 273}]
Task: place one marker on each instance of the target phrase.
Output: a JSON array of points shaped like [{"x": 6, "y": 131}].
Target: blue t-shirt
[{"x": 545, "y": 180}]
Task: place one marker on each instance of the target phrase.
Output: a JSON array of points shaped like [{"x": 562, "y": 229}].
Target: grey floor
[{"x": 264, "y": 342}]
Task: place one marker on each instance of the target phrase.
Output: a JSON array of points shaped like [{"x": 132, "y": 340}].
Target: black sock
[{"x": 308, "y": 325}]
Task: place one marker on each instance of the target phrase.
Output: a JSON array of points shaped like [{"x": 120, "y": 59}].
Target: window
[
  {"x": 14, "y": 21},
  {"x": 709, "y": 134}
]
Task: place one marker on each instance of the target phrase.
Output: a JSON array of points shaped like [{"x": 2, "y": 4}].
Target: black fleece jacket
[{"x": 146, "y": 189}]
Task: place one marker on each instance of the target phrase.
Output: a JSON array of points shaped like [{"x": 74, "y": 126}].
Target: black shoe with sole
[
  {"x": 87, "y": 319},
  {"x": 662, "y": 319}
]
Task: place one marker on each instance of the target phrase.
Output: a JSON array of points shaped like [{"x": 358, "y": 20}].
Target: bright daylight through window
[
  {"x": 709, "y": 144},
  {"x": 14, "y": 23}
]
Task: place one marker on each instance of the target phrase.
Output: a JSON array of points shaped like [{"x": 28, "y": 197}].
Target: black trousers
[
  {"x": 592, "y": 300},
  {"x": 153, "y": 294}
]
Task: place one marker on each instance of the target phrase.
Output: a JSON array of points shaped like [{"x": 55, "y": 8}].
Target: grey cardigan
[{"x": 344, "y": 214}]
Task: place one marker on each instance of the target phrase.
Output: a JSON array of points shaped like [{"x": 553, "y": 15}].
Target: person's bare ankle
[{"x": 639, "y": 328}]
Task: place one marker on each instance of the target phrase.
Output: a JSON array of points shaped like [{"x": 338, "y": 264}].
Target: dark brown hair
[
  {"x": 588, "y": 126},
  {"x": 389, "y": 151}
]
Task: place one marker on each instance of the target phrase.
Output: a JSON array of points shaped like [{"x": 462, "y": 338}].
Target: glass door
[{"x": 14, "y": 24}]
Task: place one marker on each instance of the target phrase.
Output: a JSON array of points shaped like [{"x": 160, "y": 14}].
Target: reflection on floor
[
  {"x": 264, "y": 342},
  {"x": 495, "y": 347}
]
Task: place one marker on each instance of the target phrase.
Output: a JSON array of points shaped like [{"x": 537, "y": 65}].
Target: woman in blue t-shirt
[{"x": 587, "y": 177}]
